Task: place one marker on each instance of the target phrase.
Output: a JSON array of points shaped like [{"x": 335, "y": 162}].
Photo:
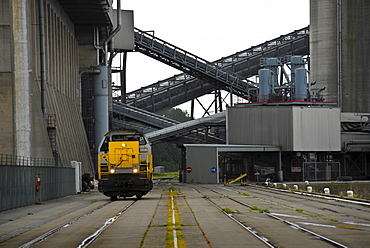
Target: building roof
[{"x": 87, "y": 12}]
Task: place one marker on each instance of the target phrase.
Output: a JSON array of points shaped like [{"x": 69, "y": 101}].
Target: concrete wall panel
[
  {"x": 62, "y": 86},
  {"x": 6, "y": 113},
  {"x": 339, "y": 51}
]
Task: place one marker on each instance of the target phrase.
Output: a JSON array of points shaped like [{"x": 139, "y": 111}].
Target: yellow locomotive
[{"x": 125, "y": 164}]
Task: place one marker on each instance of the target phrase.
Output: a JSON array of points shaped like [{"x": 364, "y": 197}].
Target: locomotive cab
[{"x": 125, "y": 164}]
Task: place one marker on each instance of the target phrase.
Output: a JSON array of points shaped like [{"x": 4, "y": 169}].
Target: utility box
[
  {"x": 124, "y": 39},
  {"x": 293, "y": 128},
  {"x": 159, "y": 169}
]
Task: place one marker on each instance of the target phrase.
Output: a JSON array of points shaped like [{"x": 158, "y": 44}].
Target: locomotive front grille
[{"x": 124, "y": 170}]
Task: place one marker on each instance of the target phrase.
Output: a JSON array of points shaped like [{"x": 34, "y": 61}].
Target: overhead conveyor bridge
[
  {"x": 187, "y": 62},
  {"x": 201, "y": 76},
  {"x": 188, "y": 127},
  {"x": 196, "y": 131}
]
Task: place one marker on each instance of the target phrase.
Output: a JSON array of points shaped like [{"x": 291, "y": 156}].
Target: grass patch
[
  {"x": 335, "y": 220},
  {"x": 241, "y": 193},
  {"x": 171, "y": 189},
  {"x": 228, "y": 210},
  {"x": 260, "y": 210},
  {"x": 167, "y": 174},
  {"x": 299, "y": 210}
]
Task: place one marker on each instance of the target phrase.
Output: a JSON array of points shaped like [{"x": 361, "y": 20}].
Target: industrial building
[{"x": 306, "y": 116}]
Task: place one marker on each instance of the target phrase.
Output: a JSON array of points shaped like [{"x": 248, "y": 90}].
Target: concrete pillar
[{"x": 22, "y": 115}]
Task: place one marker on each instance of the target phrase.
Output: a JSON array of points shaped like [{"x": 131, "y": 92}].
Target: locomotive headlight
[
  {"x": 123, "y": 145},
  {"x": 112, "y": 169},
  {"x": 135, "y": 168}
]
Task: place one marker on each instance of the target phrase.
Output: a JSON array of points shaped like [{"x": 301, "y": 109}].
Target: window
[{"x": 130, "y": 137}]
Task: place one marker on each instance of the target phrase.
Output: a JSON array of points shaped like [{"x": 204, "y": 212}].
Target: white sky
[{"x": 210, "y": 29}]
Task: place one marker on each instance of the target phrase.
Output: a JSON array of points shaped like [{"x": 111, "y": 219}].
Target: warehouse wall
[
  {"x": 293, "y": 128},
  {"x": 20, "y": 66}
]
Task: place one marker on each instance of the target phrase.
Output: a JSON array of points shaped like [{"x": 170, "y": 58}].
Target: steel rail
[
  {"x": 59, "y": 228},
  {"x": 295, "y": 226},
  {"x": 246, "y": 227},
  {"x": 92, "y": 237}
]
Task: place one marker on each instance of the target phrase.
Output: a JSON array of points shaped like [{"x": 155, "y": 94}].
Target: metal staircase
[{"x": 184, "y": 87}]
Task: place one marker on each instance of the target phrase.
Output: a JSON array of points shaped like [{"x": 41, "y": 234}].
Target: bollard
[
  {"x": 295, "y": 187},
  {"x": 284, "y": 185},
  {"x": 274, "y": 185},
  {"x": 350, "y": 193},
  {"x": 307, "y": 182},
  {"x": 326, "y": 191},
  {"x": 309, "y": 189}
]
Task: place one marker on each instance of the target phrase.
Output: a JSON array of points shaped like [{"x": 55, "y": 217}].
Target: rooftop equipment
[{"x": 293, "y": 88}]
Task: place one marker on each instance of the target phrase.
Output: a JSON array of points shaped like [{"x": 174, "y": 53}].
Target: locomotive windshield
[{"x": 130, "y": 137}]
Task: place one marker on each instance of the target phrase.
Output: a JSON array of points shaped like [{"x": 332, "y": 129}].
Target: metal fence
[
  {"x": 321, "y": 171},
  {"x": 18, "y": 177}
]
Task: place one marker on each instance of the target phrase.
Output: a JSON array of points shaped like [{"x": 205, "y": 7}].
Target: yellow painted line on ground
[{"x": 174, "y": 237}]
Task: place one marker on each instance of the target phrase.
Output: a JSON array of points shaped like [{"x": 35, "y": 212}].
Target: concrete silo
[{"x": 340, "y": 50}]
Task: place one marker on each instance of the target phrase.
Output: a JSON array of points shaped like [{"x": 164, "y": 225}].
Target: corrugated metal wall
[
  {"x": 291, "y": 127},
  {"x": 18, "y": 181},
  {"x": 260, "y": 125}
]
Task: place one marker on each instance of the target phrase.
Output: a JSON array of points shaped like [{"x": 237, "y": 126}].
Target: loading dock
[{"x": 210, "y": 162}]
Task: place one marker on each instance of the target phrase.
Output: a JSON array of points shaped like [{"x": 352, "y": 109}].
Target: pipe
[
  {"x": 123, "y": 78},
  {"x": 42, "y": 58},
  {"x": 349, "y": 142},
  {"x": 115, "y": 31},
  {"x": 339, "y": 52},
  {"x": 96, "y": 43}
]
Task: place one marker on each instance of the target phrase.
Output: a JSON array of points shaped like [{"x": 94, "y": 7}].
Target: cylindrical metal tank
[
  {"x": 101, "y": 100},
  {"x": 339, "y": 50},
  {"x": 265, "y": 76},
  {"x": 300, "y": 85}
]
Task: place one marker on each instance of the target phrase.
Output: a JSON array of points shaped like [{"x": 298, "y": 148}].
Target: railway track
[
  {"x": 338, "y": 223},
  {"x": 183, "y": 215},
  {"x": 288, "y": 223}
]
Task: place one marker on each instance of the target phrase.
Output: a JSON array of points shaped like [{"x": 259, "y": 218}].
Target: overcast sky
[{"x": 210, "y": 29}]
